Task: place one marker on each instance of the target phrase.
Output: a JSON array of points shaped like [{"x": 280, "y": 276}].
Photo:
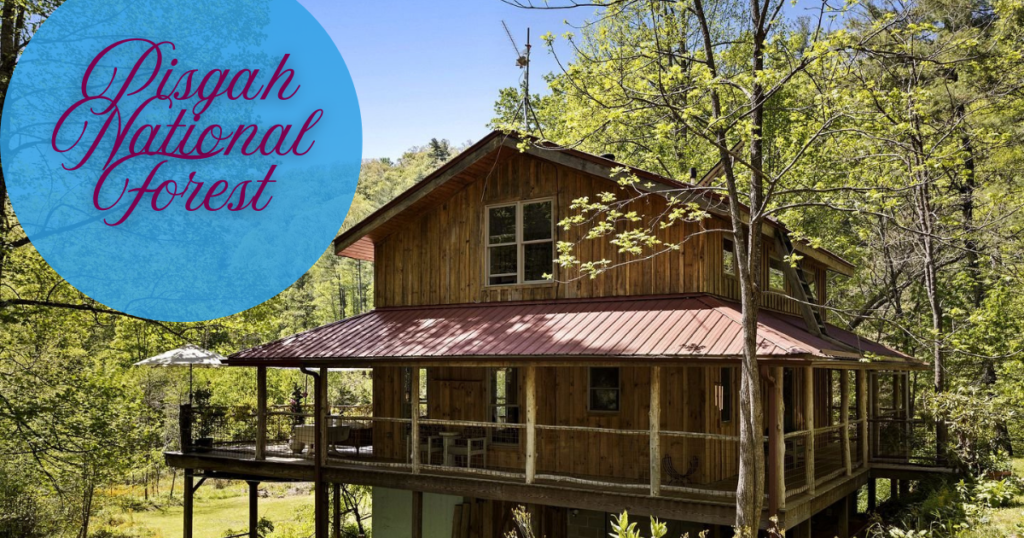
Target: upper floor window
[
  {"x": 520, "y": 242},
  {"x": 728, "y": 258},
  {"x": 604, "y": 390},
  {"x": 776, "y": 275}
]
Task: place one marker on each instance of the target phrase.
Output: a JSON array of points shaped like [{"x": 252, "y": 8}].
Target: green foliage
[{"x": 264, "y": 528}]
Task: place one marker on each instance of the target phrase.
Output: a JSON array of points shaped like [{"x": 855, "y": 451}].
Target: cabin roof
[
  {"x": 479, "y": 159},
  {"x": 678, "y": 328}
]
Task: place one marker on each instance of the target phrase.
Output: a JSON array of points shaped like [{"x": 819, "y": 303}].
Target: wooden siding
[{"x": 440, "y": 258}]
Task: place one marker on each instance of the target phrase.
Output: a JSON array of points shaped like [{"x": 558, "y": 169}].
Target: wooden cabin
[{"x": 495, "y": 386}]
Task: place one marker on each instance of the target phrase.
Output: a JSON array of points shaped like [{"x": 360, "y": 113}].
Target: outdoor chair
[
  {"x": 674, "y": 476},
  {"x": 473, "y": 442},
  {"x": 430, "y": 442}
]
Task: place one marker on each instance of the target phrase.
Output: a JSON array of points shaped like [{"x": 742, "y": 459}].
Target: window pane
[
  {"x": 537, "y": 221},
  {"x": 728, "y": 258},
  {"x": 604, "y": 378},
  {"x": 604, "y": 400},
  {"x": 503, "y": 261},
  {"x": 776, "y": 278},
  {"x": 539, "y": 260},
  {"x": 501, "y": 227}
]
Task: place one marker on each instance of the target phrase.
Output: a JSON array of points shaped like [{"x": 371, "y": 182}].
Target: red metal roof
[{"x": 653, "y": 328}]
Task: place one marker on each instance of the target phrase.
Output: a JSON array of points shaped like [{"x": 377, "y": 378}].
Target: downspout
[{"x": 319, "y": 491}]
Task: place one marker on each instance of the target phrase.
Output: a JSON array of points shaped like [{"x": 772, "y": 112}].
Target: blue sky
[
  {"x": 433, "y": 68},
  {"x": 426, "y": 69}
]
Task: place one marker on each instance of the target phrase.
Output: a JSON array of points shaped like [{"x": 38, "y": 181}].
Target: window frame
[
  {"x": 492, "y": 405},
  {"x": 591, "y": 388},
  {"x": 520, "y": 244},
  {"x": 768, "y": 275},
  {"x": 729, "y": 253}
]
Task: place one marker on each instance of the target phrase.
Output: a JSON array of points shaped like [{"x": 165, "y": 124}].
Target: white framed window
[
  {"x": 603, "y": 390},
  {"x": 520, "y": 242}
]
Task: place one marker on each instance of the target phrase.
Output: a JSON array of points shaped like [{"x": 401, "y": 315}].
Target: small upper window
[
  {"x": 811, "y": 276},
  {"x": 604, "y": 389},
  {"x": 776, "y": 275},
  {"x": 728, "y": 258},
  {"x": 520, "y": 242}
]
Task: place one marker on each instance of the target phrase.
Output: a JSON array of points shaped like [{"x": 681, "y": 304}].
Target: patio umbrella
[{"x": 189, "y": 354}]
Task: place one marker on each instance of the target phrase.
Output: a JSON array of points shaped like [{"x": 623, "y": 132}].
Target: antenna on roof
[{"x": 523, "y": 62}]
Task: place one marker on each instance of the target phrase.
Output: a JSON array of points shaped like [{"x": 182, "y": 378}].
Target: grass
[
  {"x": 217, "y": 509},
  {"x": 1005, "y": 522}
]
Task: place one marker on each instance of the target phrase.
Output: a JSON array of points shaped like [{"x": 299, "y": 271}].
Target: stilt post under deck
[
  {"x": 261, "y": 412},
  {"x": 862, "y": 415},
  {"x": 872, "y": 494},
  {"x": 414, "y": 417},
  {"x": 336, "y": 520},
  {"x": 531, "y": 423},
  {"x": 809, "y": 426},
  {"x": 187, "y": 501},
  {"x": 844, "y": 418},
  {"x": 254, "y": 514},
  {"x": 417, "y": 514},
  {"x": 655, "y": 426},
  {"x": 844, "y": 517},
  {"x": 321, "y": 514},
  {"x": 776, "y": 444}
]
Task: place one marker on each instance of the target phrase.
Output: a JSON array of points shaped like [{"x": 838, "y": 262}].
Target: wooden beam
[
  {"x": 843, "y": 507},
  {"x": 809, "y": 426},
  {"x": 187, "y": 501},
  {"x": 776, "y": 444},
  {"x": 531, "y": 424},
  {"x": 261, "y": 412},
  {"x": 414, "y": 415},
  {"x": 324, "y": 411},
  {"x": 336, "y": 519},
  {"x": 862, "y": 415},
  {"x": 796, "y": 285},
  {"x": 655, "y": 419},
  {"x": 417, "y": 514},
  {"x": 872, "y": 494},
  {"x": 254, "y": 512},
  {"x": 844, "y": 419}
]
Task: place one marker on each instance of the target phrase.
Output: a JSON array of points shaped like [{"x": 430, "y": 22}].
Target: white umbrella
[{"x": 189, "y": 354}]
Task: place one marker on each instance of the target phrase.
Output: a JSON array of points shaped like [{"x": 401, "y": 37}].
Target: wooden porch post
[
  {"x": 531, "y": 424},
  {"x": 907, "y": 417},
  {"x": 261, "y": 412},
  {"x": 844, "y": 418},
  {"x": 874, "y": 412},
  {"x": 414, "y": 416},
  {"x": 417, "y": 514},
  {"x": 655, "y": 419},
  {"x": 187, "y": 501},
  {"x": 862, "y": 415},
  {"x": 254, "y": 514},
  {"x": 336, "y": 520},
  {"x": 872, "y": 494},
  {"x": 322, "y": 414},
  {"x": 776, "y": 444},
  {"x": 844, "y": 517},
  {"x": 809, "y": 426}
]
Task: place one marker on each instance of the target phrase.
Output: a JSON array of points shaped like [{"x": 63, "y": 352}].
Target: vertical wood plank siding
[{"x": 440, "y": 258}]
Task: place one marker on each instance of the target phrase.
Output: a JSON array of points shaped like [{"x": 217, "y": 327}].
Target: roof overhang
[{"x": 678, "y": 329}]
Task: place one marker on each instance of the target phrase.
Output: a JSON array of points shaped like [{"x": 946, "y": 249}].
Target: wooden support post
[
  {"x": 907, "y": 417},
  {"x": 843, "y": 507},
  {"x": 844, "y": 418},
  {"x": 872, "y": 494},
  {"x": 321, "y": 515},
  {"x": 875, "y": 405},
  {"x": 414, "y": 416},
  {"x": 655, "y": 426},
  {"x": 809, "y": 426},
  {"x": 336, "y": 520},
  {"x": 862, "y": 416},
  {"x": 417, "y": 514},
  {"x": 261, "y": 412},
  {"x": 776, "y": 444},
  {"x": 531, "y": 424},
  {"x": 187, "y": 501},
  {"x": 254, "y": 513},
  {"x": 321, "y": 424},
  {"x": 894, "y": 489}
]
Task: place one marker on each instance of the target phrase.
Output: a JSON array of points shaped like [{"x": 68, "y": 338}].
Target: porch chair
[
  {"x": 430, "y": 443},
  {"x": 473, "y": 442}
]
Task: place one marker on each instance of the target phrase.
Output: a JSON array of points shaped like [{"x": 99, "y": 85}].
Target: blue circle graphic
[{"x": 181, "y": 160}]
